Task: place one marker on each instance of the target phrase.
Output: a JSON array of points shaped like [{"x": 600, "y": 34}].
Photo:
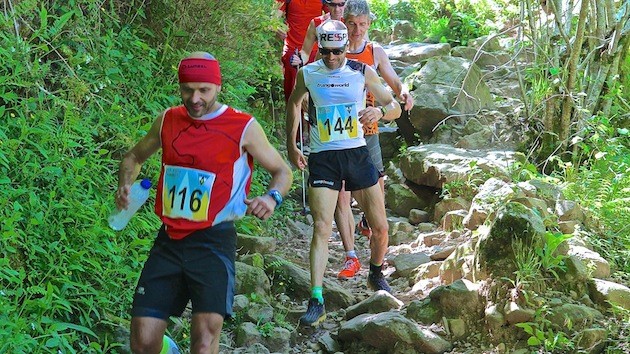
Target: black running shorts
[
  {"x": 199, "y": 267},
  {"x": 354, "y": 166}
]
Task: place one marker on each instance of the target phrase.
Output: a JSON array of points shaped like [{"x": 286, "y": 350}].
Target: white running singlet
[{"x": 336, "y": 97}]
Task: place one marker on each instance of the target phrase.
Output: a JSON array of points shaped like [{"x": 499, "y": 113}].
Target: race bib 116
[{"x": 186, "y": 193}]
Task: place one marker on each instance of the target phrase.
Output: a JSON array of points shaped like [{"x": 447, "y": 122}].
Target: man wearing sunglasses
[
  {"x": 337, "y": 89},
  {"x": 309, "y": 50}
]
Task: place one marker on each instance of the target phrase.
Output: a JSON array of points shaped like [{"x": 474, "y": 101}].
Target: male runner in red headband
[{"x": 208, "y": 150}]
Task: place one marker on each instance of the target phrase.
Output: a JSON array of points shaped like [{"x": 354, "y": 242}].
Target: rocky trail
[{"x": 482, "y": 257}]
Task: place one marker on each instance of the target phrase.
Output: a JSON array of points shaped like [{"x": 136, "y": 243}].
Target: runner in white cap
[{"x": 337, "y": 89}]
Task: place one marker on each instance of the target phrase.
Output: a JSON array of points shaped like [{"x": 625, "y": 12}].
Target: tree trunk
[{"x": 575, "y": 66}]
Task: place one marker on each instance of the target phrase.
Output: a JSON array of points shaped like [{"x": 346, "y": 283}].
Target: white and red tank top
[{"x": 206, "y": 174}]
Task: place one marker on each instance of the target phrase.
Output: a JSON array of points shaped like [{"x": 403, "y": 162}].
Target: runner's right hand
[
  {"x": 297, "y": 159},
  {"x": 122, "y": 197}
]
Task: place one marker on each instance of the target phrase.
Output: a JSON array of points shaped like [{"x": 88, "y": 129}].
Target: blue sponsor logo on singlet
[{"x": 331, "y": 85}]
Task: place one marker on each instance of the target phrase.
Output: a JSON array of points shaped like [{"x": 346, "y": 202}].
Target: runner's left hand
[
  {"x": 370, "y": 115},
  {"x": 407, "y": 101},
  {"x": 261, "y": 207},
  {"x": 297, "y": 159}
]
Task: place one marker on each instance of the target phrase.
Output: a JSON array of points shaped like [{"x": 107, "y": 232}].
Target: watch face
[{"x": 276, "y": 196}]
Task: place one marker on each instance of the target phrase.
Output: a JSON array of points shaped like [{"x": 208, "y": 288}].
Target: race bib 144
[{"x": 337, "y": 122}]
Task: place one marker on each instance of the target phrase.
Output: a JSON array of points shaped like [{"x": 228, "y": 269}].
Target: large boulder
[
  {"x": 250, "y": 279},
  {"x": 458, "y": 264},
  {"x": 460, "y": 299},
  {"x": 515, "y": 224},
  {"x": 406, "y": 263},
  {"x": 416, "y": 52},
  {"x": 380, "y": 301},
  {"x": 247, "y": 244},
  {"x": 607, "y": 293},
  {"x": 401, "y": 199},
  {"x": 487, "y": 43},
  {"x": 296, "y": 281},
  {"x": 578, "y": 315},
  {"x": 483, "y": 58},
  {"x": 387, "y": 330},
  {"x": 492, "y": 194},
  {"x": 592, "y": 260},
  {"x": 434, "y": 165},
  {"x": 443, "y": 88}
]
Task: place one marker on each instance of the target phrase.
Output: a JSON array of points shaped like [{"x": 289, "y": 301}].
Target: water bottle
[
  {"x": 138, "y": 195},
  {"x": 169, "y": 346}
]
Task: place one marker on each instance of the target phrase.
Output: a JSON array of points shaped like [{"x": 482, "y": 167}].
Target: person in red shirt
[
  {"x": 308, "y": 52},
  {"x": 297, "y": 14},
  {"x": 208, "y": 152}
]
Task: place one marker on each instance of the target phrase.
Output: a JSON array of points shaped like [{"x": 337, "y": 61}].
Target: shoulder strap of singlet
[{"x": 355, "y": 65}]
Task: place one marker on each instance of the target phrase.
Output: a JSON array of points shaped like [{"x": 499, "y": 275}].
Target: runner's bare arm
[
  {"x": 390, "y": 108},
  {"x": 255, "y": 142},
  {"x": 388, "y": 73},
  {"x": 129, "y": 167},
  {"x": 293, "y": 120},
  {"x": 309, "y": 41}
]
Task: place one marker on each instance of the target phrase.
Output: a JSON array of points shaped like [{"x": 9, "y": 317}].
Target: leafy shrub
[
  {"x": 236, "y": 32},
  {"x": 599, "y": 178},
  {"x": 384, "y": 20},
  {"x": 81, "y": 82},
  {"x": 455, "y": 22}
]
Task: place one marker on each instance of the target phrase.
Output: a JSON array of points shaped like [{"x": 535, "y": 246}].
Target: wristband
[
  {"x": 276, "y": 196},
  {"x": 383, "y": 110}
]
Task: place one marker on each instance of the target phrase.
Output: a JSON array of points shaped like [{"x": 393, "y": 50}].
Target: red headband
[{"x": 199, "y": 70}]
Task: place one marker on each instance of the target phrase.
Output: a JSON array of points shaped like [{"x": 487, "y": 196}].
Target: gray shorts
[{"x": 374, "y": 147}]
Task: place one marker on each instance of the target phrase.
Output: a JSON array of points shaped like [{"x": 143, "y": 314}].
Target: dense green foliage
[
  {"x": 81, "y": 82},
  {"x": 600, "y": 181},
  {"x": 448, "y": 21}
]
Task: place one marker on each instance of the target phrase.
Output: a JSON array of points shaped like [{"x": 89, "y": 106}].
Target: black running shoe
[
  {"x": 376, "y": 281},
  {"x": 315, "y": 314}
]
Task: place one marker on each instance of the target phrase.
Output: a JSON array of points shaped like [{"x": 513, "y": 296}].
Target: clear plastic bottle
[
  {"x": 169, "y": 346},
  {"x": 138, "y": 195}
]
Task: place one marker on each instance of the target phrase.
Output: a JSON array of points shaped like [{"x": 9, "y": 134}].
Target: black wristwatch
[{"x": 276, "y": 196}]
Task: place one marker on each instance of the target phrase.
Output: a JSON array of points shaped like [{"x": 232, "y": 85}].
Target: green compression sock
[
  {"x": 317, "y": 293},
  {"x": 165, "y": 345}
]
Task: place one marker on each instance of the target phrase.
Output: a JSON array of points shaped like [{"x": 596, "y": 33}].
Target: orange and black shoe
[{"x": 350, "y": 268}]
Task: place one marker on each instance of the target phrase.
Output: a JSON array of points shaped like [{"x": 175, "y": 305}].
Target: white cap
[{"x": 332, "y": 34}]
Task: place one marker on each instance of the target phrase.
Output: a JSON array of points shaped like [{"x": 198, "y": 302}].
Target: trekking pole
[{"x": 304, "y": 207}]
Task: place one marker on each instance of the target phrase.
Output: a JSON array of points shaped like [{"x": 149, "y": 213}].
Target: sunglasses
[
  {"x": 324, "y": 51},
  {"x": 341, "y": 4}
]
